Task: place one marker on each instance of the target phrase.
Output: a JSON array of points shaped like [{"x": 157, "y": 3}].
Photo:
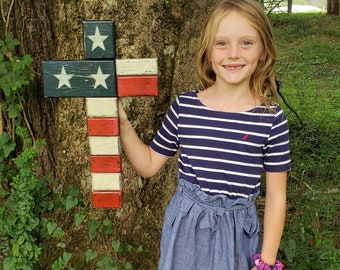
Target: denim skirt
[{"x": 204, "y": 232}]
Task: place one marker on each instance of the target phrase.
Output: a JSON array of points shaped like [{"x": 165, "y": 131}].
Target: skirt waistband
[{"x": 216, "y": 201}]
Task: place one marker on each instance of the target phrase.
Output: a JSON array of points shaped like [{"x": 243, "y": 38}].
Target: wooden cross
[{"x": 102, "y": 78}]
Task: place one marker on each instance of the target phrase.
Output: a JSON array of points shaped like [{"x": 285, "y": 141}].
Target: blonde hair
[{"x": 262, "y": 83}]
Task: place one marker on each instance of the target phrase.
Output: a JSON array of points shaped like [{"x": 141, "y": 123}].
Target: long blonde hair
[{"x": 262, "y": 83}]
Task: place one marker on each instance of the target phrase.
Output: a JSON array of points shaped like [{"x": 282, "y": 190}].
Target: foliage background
[{"x": 308, "y": 68}]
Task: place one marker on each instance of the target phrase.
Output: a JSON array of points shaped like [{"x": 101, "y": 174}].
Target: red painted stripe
[
  {"x": 105, "y": 164},
  {"x": 105, "y": 126},
  {"x": 128, "y": 86},
  {"x": 107, "y": 199}
]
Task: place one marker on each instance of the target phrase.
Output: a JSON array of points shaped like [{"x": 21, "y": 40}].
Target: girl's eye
[
  {"x": 221, "y": 44},
  {"x": 247, "y": 43}
]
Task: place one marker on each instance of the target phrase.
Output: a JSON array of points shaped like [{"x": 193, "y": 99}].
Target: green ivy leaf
[
  {"x": 27, "y": 59},
  {"x": 107, "y": 227},
  {"x": 13, "y": 110},
  {"x": 92, "y": 228},
  {"x": 58, "y": 232},
  {"x": 70, "y": 202},
  {"x": 127, "y": 266},
  {"x": 78, "y": 218},
  {"x": 140, "y": 248},
  {"x": 66, "y": 257},
  {"x": 9, "y": 263},
  {"x": 117, "y": 246},
  {"x": 51, "y": 226},
  {"x": 16, "y": 249},
  {"x": 73, "y": 191},
  {"x": 90, "y": 255},
  {"x": 6, "y": 145},
  {"x": 61, "y": 245}
]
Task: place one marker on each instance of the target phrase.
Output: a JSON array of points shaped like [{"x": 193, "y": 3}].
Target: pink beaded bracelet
[{"x": 261, "y": 265}]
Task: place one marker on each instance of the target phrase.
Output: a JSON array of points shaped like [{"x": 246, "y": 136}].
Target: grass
[{"x": 308, "y": 68}]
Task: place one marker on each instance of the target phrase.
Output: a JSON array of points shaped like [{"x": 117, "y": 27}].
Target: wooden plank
[
  {"x": 99, "y": 40},
  {"x": 105, "y": 164},
  {"x": 106, "y": 181},
  {"x": 142, "y": 66},
  {"x": 102, "y": 107},
  {"x": 107, "y": 199},
  {"x": 79, "y": 78},
  {"x": 137, "y": 86},
  {"x": 100, "y": 145},
  {"x": 106, "y": 126}
]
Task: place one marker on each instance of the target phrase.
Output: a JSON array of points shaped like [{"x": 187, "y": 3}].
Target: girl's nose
[{"x": 233, "y": 52}]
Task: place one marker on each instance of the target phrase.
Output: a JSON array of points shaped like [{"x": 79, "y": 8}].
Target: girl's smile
[{"x": 233, "y": 66}]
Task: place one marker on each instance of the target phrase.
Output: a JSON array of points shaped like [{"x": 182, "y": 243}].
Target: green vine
[
  {"x": 26, "y": 199},
  {"x": 19, "y": 213}
]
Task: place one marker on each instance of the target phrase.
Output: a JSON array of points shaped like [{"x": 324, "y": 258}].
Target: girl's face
[{"x": 236, "y": 50}]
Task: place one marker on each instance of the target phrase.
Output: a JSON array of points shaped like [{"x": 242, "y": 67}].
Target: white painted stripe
[
  {"x": 102, "y": 107},
  {"x": 106, "y": 181},
  {"x": 145, "y": 66},
  {"x": 100, "y": 145}
]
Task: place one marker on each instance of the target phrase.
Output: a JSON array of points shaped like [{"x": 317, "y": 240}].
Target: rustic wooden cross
[{"x": 101, "y": 79}]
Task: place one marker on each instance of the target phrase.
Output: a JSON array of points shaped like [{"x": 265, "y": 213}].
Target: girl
[{"x": 227, "y": 134}]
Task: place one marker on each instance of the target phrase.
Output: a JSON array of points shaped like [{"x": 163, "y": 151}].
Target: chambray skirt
[{"x": 203, "y": 232}]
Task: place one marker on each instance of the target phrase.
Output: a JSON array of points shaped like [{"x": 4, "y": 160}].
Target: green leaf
[
  {"x": 90, "y": 255},
  {"x": 70, "y": 202},
  {"x": 58, "y": 232},
  {"x": 127, "y": 266},
  {"x": 8, "y": 148},
  {"x": 129, "y": 248},
  {"x": 51, "y": 226},
  {"x": 92, "y": 228},
  {"x": 107, "y": 227},
  {"x": 117, "y": 246},
  {"x": 13, "y": 110},
  {"x": 6, "y": 145},
  {"x": 27, "y": 59},
  {"x": 61, "y": 245},
  {"x": 73, "y": 191},
  {"x": 78, "y": 218},
  {"x": 34, "y": 222},
  {"x": 9, "y": 263},
  {"x": 16, "y": 249},
  {"x": 66, "y": 257}
]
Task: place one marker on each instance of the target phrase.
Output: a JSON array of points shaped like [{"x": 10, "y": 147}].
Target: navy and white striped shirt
[{"x": 224, "y": 152}]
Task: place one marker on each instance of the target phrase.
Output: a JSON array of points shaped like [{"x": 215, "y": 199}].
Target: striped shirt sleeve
[
  {"x": 276, "y": 151},
  {"x": 166, "y": 140}
]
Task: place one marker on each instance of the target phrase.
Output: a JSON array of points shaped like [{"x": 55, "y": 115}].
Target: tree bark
[
  {"x": 52, "y": 30},
  {"x": 333, "y": 7},
  {"x": 289, "y": 6}
]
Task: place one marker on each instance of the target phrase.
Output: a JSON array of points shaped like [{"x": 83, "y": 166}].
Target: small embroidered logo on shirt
[{"x": 245, "y": 137}]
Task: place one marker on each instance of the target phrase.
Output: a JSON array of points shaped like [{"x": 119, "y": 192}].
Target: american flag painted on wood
[{"x": 101, "y": 79}]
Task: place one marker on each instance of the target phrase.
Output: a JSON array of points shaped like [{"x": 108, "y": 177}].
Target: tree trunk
[
  {"x": 290, "y": 4},
  {"x": 333, "y": 7},
  {"x": 50, "y": 30}
]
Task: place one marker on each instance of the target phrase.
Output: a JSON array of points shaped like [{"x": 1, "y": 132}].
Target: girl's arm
[
  {"x": 274, "y": 215},
  {"x": 146, "y": 162}
]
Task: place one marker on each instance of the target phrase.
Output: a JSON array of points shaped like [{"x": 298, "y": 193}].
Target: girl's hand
[
  {"x": 254, "y": 268},
  {"x": 121, "y": 111}
]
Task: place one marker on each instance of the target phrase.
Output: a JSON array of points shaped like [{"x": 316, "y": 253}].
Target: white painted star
[
  {"x": 98, "y": 40},
  {"x": 100, "y": 78},
  {"x": 64, "y": 79}
]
